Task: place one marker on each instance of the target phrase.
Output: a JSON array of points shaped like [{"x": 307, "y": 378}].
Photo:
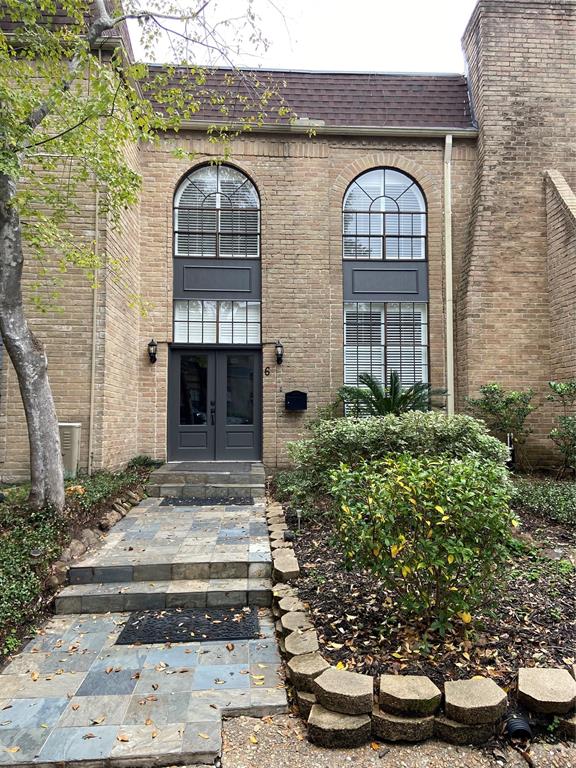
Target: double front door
[{"x": 214, "y": 405}]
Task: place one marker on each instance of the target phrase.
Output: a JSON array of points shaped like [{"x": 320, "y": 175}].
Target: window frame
[
  {"x": 218, "y": 209},
  {"x": 383, "y": 235}
]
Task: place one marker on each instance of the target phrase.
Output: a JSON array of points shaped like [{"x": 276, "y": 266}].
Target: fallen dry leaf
[
  {"x": 89, "y": 736},
  {"x": 122, "y": 737},
  {"x": 13, "y": 749}
]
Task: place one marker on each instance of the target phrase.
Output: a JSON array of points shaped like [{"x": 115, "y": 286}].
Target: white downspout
[
  {"x": 448, "y": 275},
  {"x": 94, "y": 335}
]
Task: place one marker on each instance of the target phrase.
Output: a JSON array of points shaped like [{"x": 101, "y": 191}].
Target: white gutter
[{"x": 449, "y": 299}]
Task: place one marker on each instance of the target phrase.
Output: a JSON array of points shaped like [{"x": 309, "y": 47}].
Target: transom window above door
[
  {"x": 217, "y": 215},
  {"x": 384, "y": 218}
]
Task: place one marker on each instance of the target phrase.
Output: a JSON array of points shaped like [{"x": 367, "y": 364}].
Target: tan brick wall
[
  {"x": 66, "y": 330},
  {"x": 301, "y": 182},
  {"x": 521, "y": 57},
  {"x": 561, "y": 227}
]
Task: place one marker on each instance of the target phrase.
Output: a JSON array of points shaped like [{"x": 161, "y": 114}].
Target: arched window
[
  {"x": 385, "y": 278},
  {"x": 217, "y": 215},
  {"x": 384, "y": 217}
]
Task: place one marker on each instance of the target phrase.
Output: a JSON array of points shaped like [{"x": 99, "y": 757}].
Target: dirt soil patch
[
  {"x": 280, "y": 742},
  {"x": 529, "y": 621}
]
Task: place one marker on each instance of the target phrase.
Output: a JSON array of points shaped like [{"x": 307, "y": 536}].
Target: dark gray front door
[{"x": 214, "y": 405}]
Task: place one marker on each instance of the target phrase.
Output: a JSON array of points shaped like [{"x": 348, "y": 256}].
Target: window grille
[
  {"x": 217, "y": 215},
  {"x": 384, "y": 218},
  {"x": 216, "y": 322}
]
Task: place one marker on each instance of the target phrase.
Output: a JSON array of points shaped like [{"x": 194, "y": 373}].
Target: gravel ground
[{"x": 280, "y": 742}]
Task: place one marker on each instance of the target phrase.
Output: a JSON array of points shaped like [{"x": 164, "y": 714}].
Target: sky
[
  {"x": 356, "y": 35},
  {"x": 364, "y": 35}
]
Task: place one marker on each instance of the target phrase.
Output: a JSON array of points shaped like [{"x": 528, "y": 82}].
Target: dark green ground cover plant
[
  {"x": 354, "y": 440},
  {"x": 434, "y": 529},
  {"x": 552, "y": 499},
  {"x": 32, "y": 539}
]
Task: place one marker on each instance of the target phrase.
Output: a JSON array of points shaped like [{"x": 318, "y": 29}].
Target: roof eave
[{"x": 347, "y": 130}]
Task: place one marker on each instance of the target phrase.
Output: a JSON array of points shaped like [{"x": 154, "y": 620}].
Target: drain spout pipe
[{"x": 448, "y": 288}]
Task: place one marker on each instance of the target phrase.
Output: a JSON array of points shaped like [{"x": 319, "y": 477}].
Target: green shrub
[
  {"x": 434, "y": 529},
  {"x": 354, "y": 440},
  {"x": 564, "y": 435},
  {"x": 552, "y": 499},
  {"x": 505, "y": 411}
]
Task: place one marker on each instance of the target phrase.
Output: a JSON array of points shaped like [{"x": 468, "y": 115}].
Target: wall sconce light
[
  {"x": 152, "y": 351},
  {"x": 279, "y": 352}
]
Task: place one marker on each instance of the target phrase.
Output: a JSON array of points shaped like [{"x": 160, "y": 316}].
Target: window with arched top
[
  {"x": 384, "y": 217},
  {"x": 217, "y": 215},
  {"x": 216, "y": 223},
  {"x": 385, "y": 276}
]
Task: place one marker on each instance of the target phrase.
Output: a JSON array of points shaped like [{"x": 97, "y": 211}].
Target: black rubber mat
[
  {"x": 185, "y": 626},
  {"x": 175, "y": 501}
]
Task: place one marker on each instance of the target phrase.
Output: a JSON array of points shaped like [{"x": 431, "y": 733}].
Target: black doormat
[
  {"x": 177, "y": 625},
  {"x": 192, "y": 501}
]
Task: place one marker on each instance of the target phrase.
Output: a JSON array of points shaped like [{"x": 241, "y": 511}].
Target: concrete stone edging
[{"x": 339, "y": 706}]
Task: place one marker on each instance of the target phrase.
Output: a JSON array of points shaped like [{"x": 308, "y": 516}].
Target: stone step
[
  {"x": 196, "y": 473},
  {"x": 205, "y": 491},
  {"x": 178, "y": 571},
  {"x": 139, "y": 596},
  {"x": 208, "y": 478}
]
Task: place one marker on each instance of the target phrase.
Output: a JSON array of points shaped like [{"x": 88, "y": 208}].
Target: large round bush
[
  {"x": 352, "y": 441},
  {"x": 434, "y": 529}
]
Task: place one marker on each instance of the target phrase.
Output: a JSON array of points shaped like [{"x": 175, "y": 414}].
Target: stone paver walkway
[{"x": 74, "y": 697}]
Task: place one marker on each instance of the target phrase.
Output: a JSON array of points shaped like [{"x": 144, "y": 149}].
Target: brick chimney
[{"x": 521, "y": 57}]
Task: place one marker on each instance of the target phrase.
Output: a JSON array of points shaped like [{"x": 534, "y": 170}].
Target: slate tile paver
[
  {"x": 155, "y": 682},
  {"x": 85, "y": 711},
  {"x": 32, "y": 713},
  {"x": 24, "y": 687},
  {"x": 202, "y": 737},
  {"x": 165, "y": 708},
  {"x": 70, "y": 743},
  {"x": 29, "y": 742},
  {"x": 221, "y": 677},
  {"x": 98, "y": 683},
  {"x": 148, "y": 740}
]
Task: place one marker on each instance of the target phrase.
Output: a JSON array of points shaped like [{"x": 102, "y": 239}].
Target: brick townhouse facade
[{"x": 428, "y": 226}]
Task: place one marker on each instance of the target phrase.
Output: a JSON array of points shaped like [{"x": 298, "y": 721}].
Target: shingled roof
[{"x": 354, "y": 99}]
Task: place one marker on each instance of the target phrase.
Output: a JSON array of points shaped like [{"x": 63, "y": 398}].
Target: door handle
[{"x": 212, "y": 416}]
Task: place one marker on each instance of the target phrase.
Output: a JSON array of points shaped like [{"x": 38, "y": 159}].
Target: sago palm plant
[{"x": 371, "y": 398}]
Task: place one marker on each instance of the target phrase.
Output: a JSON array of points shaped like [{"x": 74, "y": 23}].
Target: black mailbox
[{"x": 296, "y": 401}]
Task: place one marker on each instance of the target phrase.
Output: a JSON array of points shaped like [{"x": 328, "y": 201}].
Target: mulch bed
[{"x": 530, "y": 621}]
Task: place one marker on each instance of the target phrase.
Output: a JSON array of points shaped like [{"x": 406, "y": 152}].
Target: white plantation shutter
[
  {"x": 381, "y": 338},
  {"x": 363, "y": 350},
  {"x": 406, "y": 342}
]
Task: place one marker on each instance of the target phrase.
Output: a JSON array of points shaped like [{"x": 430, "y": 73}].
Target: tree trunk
[{"x": 29, "y": 359}]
